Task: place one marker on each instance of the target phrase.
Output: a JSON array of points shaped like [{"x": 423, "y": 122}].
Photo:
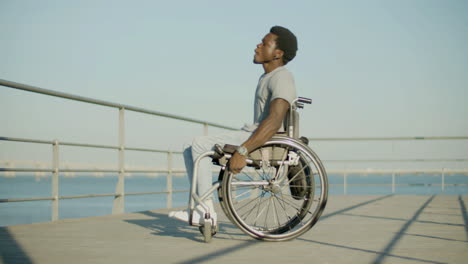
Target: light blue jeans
[{"x": 203, "y": 144}]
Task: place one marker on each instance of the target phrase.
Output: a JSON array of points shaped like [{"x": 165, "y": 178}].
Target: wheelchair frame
[{"x": 301, "y": 159}]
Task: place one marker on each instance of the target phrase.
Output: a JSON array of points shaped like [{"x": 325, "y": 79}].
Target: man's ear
[{"x": 279, "y": 54}]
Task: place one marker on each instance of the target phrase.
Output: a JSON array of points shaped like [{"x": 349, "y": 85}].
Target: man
[{"x": 275, "y": 92}]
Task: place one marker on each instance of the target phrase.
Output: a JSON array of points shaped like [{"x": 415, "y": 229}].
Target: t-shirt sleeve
[{"x": 282, "y": 86}]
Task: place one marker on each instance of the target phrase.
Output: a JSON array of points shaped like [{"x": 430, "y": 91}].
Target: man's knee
[{"x": 201, "y": 144}]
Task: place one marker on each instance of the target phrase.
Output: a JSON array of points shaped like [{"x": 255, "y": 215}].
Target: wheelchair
[{"x": 278, "y": 196}]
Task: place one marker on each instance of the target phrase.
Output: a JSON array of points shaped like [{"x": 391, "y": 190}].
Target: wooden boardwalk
[{"x": 353, "y": 229}]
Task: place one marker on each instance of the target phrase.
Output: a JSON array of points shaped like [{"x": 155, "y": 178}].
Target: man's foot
[{"x": 198, "y": 214}]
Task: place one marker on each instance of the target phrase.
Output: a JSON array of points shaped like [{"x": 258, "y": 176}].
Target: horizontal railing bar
[
  {"x": 153, "y": 150},
  {"x": 114, "y": 194},
  {"x": 400, "y": 160},
  {"x": 39, "y": 90},
  {"x": 115, "y": 147},
  {"x": 156, "y": 171},
  {"x": 177, "y": 152},
  {"x": 52, "y": 170},
  {"x": 88, "y": 196},
  {"x": 27, "y": 140},
  {"x": 177, "y": 191},
  {"x": 26, "y": 170},
  {"x": 145, "y": 193},
  {"x": 399, "y": 171},
  {"x": 35, "y": 89},
  {"x": 397, "y": 184},
  {"x": 361, "y": 171},
  {"x": 26, "y": 199},
  {"x": 82, "y": 196},
  {"x": 85, "y": 145},
  {"x": 388, "y": 138},
  {"x": 148, "y": 171},
  {"x": 88, "y": 170}
]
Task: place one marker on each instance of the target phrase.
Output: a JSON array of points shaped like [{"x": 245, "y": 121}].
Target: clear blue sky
[{"x": 373, "y": 68}]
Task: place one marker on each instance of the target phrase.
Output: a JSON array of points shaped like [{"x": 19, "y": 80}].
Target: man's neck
[{"x": 271, "y": 66}]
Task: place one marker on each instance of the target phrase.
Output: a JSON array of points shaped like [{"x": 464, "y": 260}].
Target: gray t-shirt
[{"x": 273, "y": 85}]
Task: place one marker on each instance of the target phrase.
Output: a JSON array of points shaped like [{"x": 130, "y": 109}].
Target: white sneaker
[{"x": 198, "y": 214}]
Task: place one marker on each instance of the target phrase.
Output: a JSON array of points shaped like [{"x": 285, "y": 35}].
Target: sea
[{"x": 30, "y": 186}]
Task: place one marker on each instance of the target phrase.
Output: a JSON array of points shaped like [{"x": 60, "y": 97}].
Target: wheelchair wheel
[
  {"x": 283, "y": 197},
  {"x": 221, "y": 195}
]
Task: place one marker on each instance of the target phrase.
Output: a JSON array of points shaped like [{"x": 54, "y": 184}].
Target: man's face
[{"x": 265, "y": 51}]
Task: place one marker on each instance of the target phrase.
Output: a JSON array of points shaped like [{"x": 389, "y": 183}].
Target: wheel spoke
[
  {"x": 282, "y": 163},
  {"x": 292, "y": 178},
  {"x": 259, "y": 202},
  {"x": 297, "y": 213},
  {"x": 249, "y": 202},
  {"x": 258, "y": 209},
  {"x": 244, "y": 173},
  {"x": 244, "y": 193},
  {"x": 259, "y": 175},
  {"x": 275, "y": 210},
  {"x": 289, "y": 203},
  {"x": 283, "y": 206},
  {"x": 293, "y": 196},
  {"x": 268, "y": 210}
]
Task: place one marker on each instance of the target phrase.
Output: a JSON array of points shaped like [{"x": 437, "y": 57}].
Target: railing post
[
  {"x": 55, "y": 181},
  {"x": 393, "y": 182},
  {"x": 443, "y": 180},
  {"x": 119, "y": 199},
  {"x": 345, "y": 182},
  {"x": 10, "y": 164},
  {"x": 205, "y": 129},
  {"x": 169, "y": 180}
]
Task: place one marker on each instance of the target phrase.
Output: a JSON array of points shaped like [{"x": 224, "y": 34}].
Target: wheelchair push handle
[
  {"x": 304, "y": 100},
  {"x": 300, "y": 101}
]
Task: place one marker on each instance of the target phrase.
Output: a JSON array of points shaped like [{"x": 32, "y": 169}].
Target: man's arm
[{"x": 266, "y": 129}]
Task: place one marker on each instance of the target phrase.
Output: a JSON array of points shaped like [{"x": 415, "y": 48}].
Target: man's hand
[{"x": 236, "y": 163}]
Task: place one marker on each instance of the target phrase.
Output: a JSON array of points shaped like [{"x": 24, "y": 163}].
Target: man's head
[{"x": 280, "y": 43}]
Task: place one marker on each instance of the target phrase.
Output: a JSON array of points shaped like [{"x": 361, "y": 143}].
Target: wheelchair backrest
[{"x": 291, "y": 122}]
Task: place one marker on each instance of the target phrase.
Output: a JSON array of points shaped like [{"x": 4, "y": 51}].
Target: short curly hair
[{"x": 285, "y": 41}]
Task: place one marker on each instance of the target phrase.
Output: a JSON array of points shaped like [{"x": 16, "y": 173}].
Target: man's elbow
[{"x": 276, "y": 124}]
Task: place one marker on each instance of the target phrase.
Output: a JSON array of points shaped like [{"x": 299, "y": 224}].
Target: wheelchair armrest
[
  {"x": 222, "y": 155},
  {"x": 230, "y": 149},
  {"x": 218, "y": 152}
]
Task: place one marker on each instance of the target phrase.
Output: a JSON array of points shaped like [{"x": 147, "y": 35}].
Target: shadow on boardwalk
[
  {"x": 162, "y": 225},
  {"x": 353, "y": 229},
  {"x": 11, "y": 251}
]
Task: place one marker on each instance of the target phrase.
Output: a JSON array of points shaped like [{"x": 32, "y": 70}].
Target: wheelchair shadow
[{"x": 162, "y": 225}]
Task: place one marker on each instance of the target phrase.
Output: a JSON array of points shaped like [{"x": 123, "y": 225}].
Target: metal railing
[
  {"x": 121, "y": 148},
  {"x": 119, "y": 194},
  {"x": 55, "y": 170},
  {"x": 443, "y": 173}
]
